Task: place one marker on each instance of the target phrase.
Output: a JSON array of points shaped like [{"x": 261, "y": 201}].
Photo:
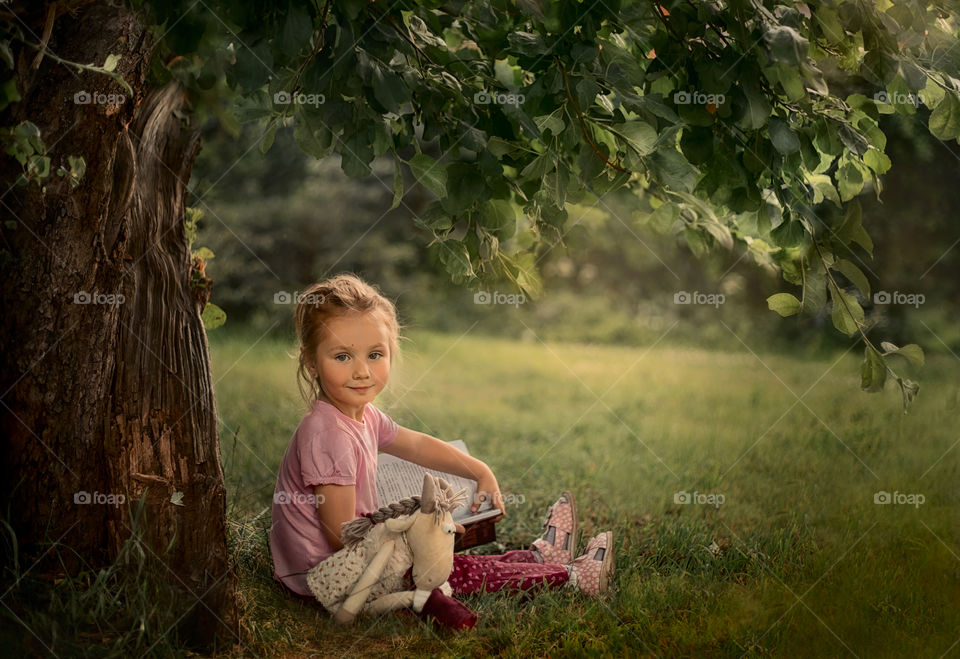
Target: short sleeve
[
  {"x": 387, "y": 431},
  {"x": 328, "y": 458}
]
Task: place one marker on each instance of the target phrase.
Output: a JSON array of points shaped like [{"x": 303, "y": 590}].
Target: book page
[{"x": 398, "y": 479}]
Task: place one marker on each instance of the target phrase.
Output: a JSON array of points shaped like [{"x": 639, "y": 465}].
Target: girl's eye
[
  {"x": 342, "y": 357},
  {"x": 376, "y": 355}
]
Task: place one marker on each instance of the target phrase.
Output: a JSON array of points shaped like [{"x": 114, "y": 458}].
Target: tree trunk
[{"x": 109, "y": 395}]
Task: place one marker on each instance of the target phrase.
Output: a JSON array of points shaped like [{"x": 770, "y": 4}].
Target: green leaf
[
  {"x": 786, "y": 45},
  {"x": 877, "y": 160},
  {"x": 849, "y": 181},
  {"x": 465, "y": 187},
  {"x": 852, "y": 230},
  {"x": 556, "y": 184},
  {"x": 852, "y": 139},
  {"x": 253, "y": 66},
  {"x": 783, "y": 138},
  {"x": 873, "y": 372},
  {"x": 456, "y": 260},
  {"x": 267, "y": 140},
  {"x": 673, "y": 170},
  {"x": 388, "y": 89},
  {"x": 522, "y": 269},
  {"x": 297, "y": 30},
  {"x": 696, "y": 242},
  {"x": 312, "y": 136},
  {"x": 788, "y": 234},
  {"x": 830, "y": 25},
  {"x": 909, "y": 389},
  {"x": 397, "y": 183},
  {"x": 39, "y": 166},
  {"x": 639, "y": 134},
  {"x": 526, "y": 43},
  {"x": 435, "y": 219},
  {"x": 814, "y": 285},
  {"x": 932, "y": 94},
  {"x": 945, "y": 119},
  {"x": 9, "y": 93},
  {"x": 356, "y": 153},
  {"x": 697, "y": 144},
  {"x": 204, "y": 253},
  {"x": 421, "y": 30},
  {"x": 855, "y": 275},
  {"x": 6, "y": 55},
  {"x": 663, "y": 218},
  {"x": 507, "y": 75},
  {"x": 537, "y": 167},
  {"x": 791, "y": 82},
  {"x": 585, "y": 92},
  {"x": 499, "y": 146},
  {"x": 784, "y": 304},
  {"x": 847, "y": 313},
  {"x": 911, "y": 352},
  {"x": 757, "y": 107},
  {"x": 213, "y": 316},
  {"x": 550, "y": 122},
  {"x": 111, "y": 62},
  {"x": 429, "y": 173},
  {"x": 499, "y": 217},
  {"x": 823, "y": 188}
]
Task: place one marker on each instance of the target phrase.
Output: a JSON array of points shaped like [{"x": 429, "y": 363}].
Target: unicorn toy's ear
[{"x": 428, "y": 497}]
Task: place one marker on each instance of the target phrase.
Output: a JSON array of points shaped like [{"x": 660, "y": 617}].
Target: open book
[{"x": 398, "y": 479}]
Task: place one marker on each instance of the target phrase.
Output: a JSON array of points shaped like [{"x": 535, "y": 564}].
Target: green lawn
[{"x": 798, "y": 559}]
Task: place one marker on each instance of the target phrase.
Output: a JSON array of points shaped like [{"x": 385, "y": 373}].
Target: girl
[{"x": 348, "y": 336}]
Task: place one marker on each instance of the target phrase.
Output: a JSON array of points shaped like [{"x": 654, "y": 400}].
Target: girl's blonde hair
[{"x": 338, "y": 296}]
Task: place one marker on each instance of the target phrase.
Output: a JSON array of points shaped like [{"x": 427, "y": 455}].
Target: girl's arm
[
  {"x": 336, "y": 504},
  {"x": 434, "y": 453}
]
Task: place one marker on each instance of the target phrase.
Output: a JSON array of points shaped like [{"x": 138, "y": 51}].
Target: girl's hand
[{"x": 488, "y": 490}]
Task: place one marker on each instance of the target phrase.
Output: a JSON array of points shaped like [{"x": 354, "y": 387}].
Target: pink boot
[
  {"x": 559, "y": 538},
  {"x": 591, "y": 572}
]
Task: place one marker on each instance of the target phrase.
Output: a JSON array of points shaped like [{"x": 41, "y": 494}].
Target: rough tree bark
[{"x": 109, "y": 398}]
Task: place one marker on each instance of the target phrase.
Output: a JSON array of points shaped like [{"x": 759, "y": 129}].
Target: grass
[{"x": 797, "y": 560}]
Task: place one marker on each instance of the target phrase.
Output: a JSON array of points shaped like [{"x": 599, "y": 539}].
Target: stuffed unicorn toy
[{"x": 369, "y": 573}]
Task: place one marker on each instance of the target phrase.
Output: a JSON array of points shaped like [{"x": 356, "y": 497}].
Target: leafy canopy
[{"x": 742, "y": 122}]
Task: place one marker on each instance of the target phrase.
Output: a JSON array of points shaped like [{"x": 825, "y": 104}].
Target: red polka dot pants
[{"x": 515, "y": 570}]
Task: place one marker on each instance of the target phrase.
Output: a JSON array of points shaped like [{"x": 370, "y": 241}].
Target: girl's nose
[{"x": 361, "y": 370}]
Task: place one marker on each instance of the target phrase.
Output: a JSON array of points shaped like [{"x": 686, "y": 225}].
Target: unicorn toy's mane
[{"x": 445, "y": 500}]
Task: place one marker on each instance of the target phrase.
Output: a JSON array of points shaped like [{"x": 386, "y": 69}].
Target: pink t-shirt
[{"x": 328, "y": 448}]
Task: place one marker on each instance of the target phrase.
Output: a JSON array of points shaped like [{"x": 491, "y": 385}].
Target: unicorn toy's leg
[
  {"x": 392, "y": 602},
  {"x": 361, "y": 590}
]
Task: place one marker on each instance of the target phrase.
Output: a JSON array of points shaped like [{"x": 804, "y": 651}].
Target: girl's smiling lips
[{"x": 362, "y": 389}]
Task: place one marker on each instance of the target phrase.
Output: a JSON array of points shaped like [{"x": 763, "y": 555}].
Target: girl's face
[{"x": 353, "y": 362}]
